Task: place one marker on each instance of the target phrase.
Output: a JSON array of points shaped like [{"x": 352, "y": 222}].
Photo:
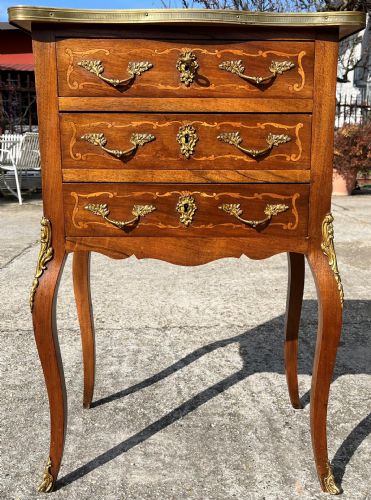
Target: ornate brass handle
[
  {"x": 235, "y": 139},
  {"x": 187, "y": 66},
  {"x": 103, "y": 211},
  {"x": 276, "y": 68},
  {"x": 101, "y": 141},
  {"x": 134, "y": 69},
  {"x": 270, "y": 210}
]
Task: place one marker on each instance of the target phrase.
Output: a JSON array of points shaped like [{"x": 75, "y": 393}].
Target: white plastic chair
[
  {"x": 29, "y": 157},
  {"x": 10, "y": 148},
  {"x": 20, "y": 154}
]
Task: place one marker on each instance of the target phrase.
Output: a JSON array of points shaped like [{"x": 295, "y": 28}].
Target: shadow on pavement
[{"x": 261, "y": 349}]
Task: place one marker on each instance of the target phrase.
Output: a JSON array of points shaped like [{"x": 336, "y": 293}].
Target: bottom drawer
[{"x": 198, "y": 210}]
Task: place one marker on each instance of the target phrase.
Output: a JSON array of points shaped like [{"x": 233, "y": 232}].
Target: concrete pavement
[{"x": 191, "y": 397}]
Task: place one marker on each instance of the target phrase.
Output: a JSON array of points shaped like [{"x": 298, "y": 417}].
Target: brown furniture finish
[
  {"x": 143, "y": 204},
  {"x": 208, "y": 219},
  {"x": 161, "y": 80},
  {"x": 164, "y": 151}
]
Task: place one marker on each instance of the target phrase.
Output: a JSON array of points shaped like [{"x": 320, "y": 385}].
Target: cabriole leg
[
  {"x": 81, "y": 285},
  {"x": 295, "y": 290},
  {"x": 330, "y": 303},
  {"x": 43, "y": 303}
]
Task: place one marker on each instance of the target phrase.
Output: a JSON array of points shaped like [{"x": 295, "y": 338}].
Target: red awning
[{"x": 16, "y": 62}]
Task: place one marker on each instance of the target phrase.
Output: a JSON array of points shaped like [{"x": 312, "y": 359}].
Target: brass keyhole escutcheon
[
  {"x": 187, "y": 138},
  {"x": 187, "y": 66},
  {"x": 187, "y": 207}
]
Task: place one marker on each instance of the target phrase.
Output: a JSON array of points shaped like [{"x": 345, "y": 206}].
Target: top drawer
[{"x": 157, "y": 68}]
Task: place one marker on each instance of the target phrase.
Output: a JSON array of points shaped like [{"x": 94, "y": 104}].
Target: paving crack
[{"x": 20, "y": 254}]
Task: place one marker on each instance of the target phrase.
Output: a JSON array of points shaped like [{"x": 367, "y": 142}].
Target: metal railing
[{"x": 351, "y": 110}]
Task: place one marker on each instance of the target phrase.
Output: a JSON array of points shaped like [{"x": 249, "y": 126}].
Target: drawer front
[
  {"x": 200, "y": 210},
  {"x": 180, "y": 141},
  {"x": 156, "y": 68}
]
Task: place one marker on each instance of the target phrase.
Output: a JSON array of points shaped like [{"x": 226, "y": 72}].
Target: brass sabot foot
[
  {"x": 47, "y": 482},
  {"x": 328, "y": 482}
]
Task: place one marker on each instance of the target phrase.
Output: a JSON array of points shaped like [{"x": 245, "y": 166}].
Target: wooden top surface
[{"x": 347, "y": 22}]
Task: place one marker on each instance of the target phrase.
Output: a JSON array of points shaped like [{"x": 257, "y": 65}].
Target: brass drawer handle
[
  {"x": 134, "y": 69},
  {"x": 235, "y": 139},
  {"x": 187, "y": 66},
  {"x": 270, "y": 210},
  {"x": 101, "y": 141},
  {"x": 103, "y": 211},
  {"x": 276, "y": 68}
]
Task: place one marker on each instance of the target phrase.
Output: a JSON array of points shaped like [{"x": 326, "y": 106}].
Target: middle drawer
[{"x": 184, "y": 141}]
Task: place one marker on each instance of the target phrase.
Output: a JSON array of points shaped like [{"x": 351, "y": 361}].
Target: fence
[
  {"x": 352, "y": 110},
  {"x": 17, "y": 101}
]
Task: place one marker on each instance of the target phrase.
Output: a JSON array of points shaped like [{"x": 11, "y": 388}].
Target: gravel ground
[{"x": 191, "y": 400}]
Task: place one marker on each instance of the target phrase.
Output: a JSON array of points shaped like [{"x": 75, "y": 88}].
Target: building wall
[
  {"x": 17, "y": 84},
  {"x": 14, "y": 41}
]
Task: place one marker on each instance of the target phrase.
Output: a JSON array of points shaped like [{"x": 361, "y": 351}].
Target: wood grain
[
  {"x": 187, "y": 251},
  {"x": 81, "y": 286},
  {"x": 323, "y": 134},
  {"x": 294, "y": 301},
  {"x": 297, "y": 173},
  {"x": 164, "y": 152},
  {"x": 184, "y": 176},
  {"x": 329, "y": 330},
  {"x": 163, "y": 79},
  {"x": 329, "y": 308},
  {"x": 212, "y": 33},
  {"x": 186, "y": 104},
  {"x": 208, "y": 221},
  {"x": 44, "y": 310}
]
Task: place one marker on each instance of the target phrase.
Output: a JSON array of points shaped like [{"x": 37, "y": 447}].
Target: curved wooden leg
[
  {"x": 43, "y": 303},
  {"x": 330, "y": 298},
  {"x": 295, "y": 290},
  {"x": 81, "y": 285}
]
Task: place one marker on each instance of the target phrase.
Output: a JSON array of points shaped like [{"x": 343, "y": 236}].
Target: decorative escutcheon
[
  {"x": 234, "y": 209},
  {"x": 187, "y": 138},
  {"x": 101, "y": 141},
  {"x": 234, "y": 139},
  {"x": 134, "y": 69},
  {"x": 187, "y": 66},
  {"x": 102, "y": 210},
  {"x": 187, "y": 207},
  {"x": 276, "y": 68}
]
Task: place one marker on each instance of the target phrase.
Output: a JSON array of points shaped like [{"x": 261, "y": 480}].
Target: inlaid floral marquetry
[
  {"x": 170, "y": 141},
  {"x": 197, "y": 208},
  {"x": 178, "y": 69},
  {"x": 188, "y": 136}
]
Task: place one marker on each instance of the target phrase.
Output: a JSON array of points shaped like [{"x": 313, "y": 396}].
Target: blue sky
[{"x": 87, "y": 4}]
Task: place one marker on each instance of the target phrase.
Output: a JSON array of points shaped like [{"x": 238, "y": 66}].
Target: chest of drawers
[{"x": 186, "y": 136}]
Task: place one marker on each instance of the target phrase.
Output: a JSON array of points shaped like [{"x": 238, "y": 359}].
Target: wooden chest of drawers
[{"x": 186, "y": 136}]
